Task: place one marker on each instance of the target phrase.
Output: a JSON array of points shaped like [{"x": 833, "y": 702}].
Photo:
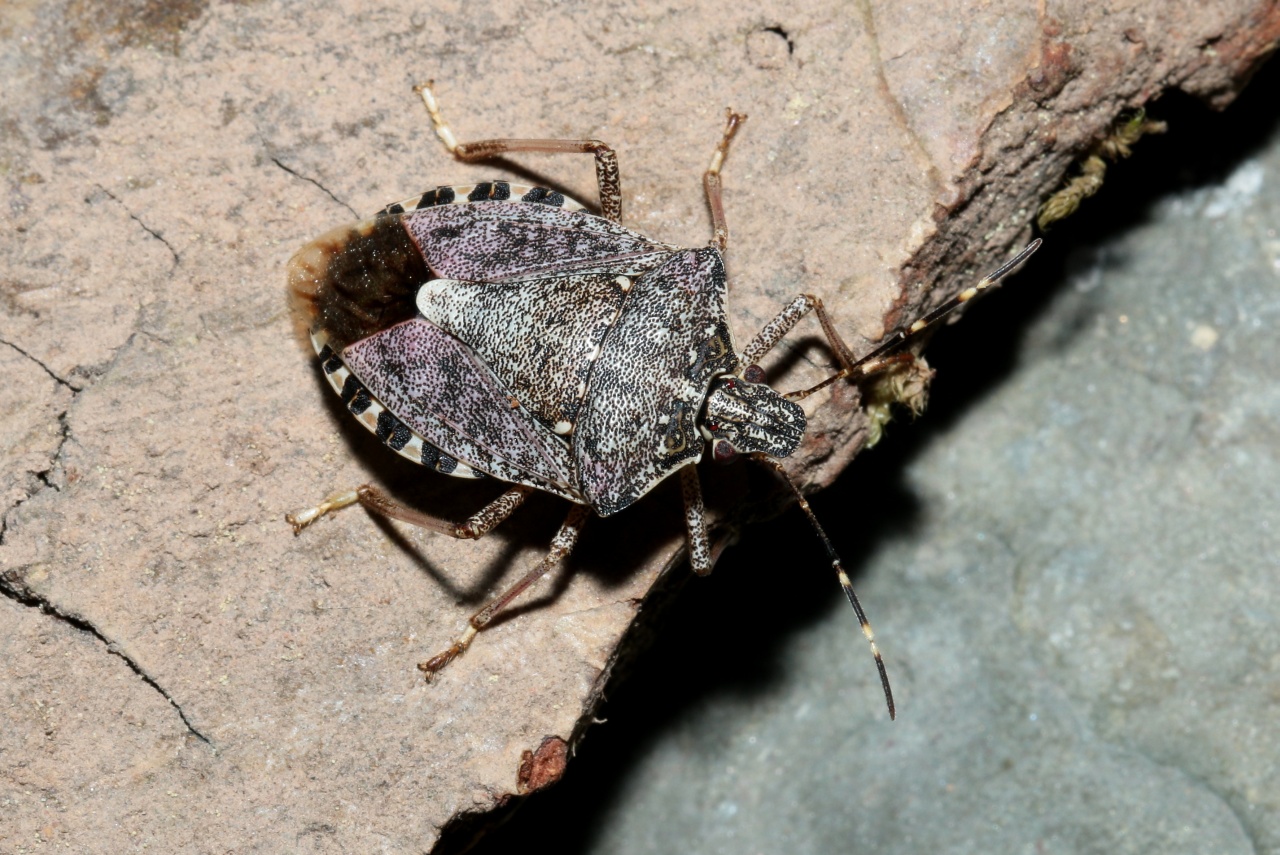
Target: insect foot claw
[
  {"x": 433, "y": 665},
  {"x": 437, "y": 662},
  {"x": 301, "y": 519}
]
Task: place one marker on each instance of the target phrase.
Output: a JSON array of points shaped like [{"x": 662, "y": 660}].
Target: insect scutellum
[{"x": 501, "y": 330}]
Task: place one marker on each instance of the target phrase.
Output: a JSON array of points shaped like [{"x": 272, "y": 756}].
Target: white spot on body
[
  {"x": 338, "y": 379},
  {"x": 563, "y": 428}
]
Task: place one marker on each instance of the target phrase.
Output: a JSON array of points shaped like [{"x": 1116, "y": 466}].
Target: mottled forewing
[
  {"x": 541, "y": 337},
  {"x": 494, "y": 241},
  {"x": 439, "y": 388},
  {"x": 639, "y": 420}
]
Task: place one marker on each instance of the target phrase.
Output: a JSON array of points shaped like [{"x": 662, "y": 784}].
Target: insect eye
[
  {"x": 713, "y": 426},
  {"x": 753, "y": 374},
  {"x": 723, "y": 452},
  {"x": 729, "y": 384}
]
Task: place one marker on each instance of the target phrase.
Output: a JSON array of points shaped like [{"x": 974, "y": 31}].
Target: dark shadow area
[
  {"x": 724, "y": 635},
  {"x": 1200, "y": 149}
]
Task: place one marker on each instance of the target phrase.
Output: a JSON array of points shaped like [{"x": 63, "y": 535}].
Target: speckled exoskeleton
[{"x": 502, "y": 330}]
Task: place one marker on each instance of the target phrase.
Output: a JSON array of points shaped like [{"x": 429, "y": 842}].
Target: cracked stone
[
  {"x": 32, "y": 407},
  {"x": 99, "y": 749},
  {"x": 159, "y": 173}
]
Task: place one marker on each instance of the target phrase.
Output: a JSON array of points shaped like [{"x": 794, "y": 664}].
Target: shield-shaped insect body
[{"x": 502, "y": 330}]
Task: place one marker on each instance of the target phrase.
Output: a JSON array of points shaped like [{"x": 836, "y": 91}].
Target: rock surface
[{"x": 181, "y": 673}]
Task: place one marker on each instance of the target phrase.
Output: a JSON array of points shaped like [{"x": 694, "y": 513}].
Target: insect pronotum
[{"x": 501, "y": 330}]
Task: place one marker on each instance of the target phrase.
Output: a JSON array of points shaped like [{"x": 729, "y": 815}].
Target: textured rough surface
[
  {"x": 674, "y": 313},
  {"x": 495, "y": 241},
  {"x": 442, "y": 390},
  {"x": 563, "y": 321},
  {"x": 181, "y": 673}
]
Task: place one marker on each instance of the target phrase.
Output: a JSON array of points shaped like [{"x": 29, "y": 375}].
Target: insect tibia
[{"x": 711, "y": 180}]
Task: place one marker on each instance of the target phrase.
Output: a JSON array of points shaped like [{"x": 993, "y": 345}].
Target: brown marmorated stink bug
[{"x": 502, "y": 330}]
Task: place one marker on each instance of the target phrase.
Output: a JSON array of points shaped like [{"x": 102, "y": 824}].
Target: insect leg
[
  {"x": 477, "y": 525},
  {"x": 606, "y": 158},
  {"x": 561, "y": 545},
  {"x": 774, "y": 331},
  {"x": 889, "y": 353},
  {"x": 695, "y": 520},
  {"x": 711, "y": 180},
  {"x": 301, "y": 519}
]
